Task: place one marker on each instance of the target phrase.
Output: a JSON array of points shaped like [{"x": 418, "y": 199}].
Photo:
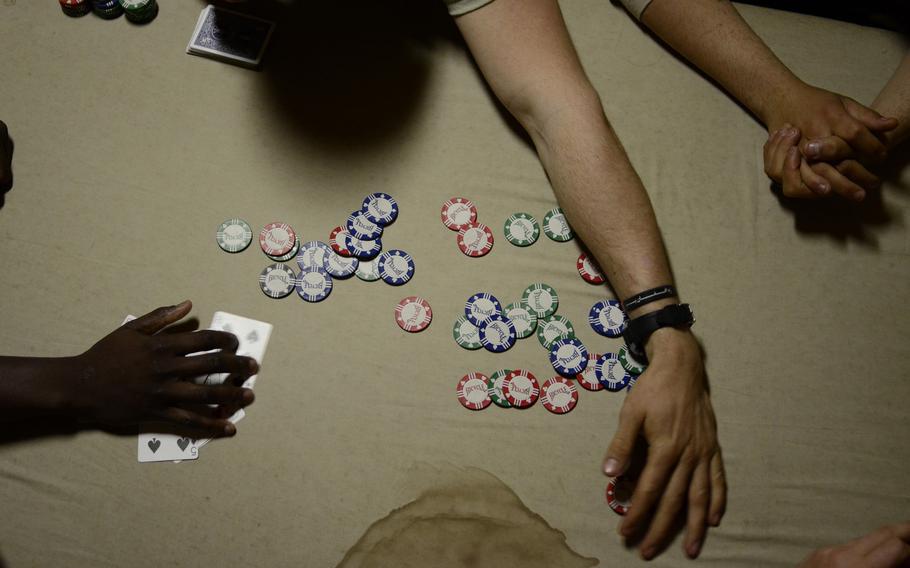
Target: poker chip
[
  {"x": 481, "y": 306},
  {"x": 494, "y": 388},
  {"x": 458, "y": 212},
  {"x": 312, "y": 255},
  {"x": 466, "y": 334},
  {"x": 559, "y": 395},
  {"x": 139, "y": 11},
  {"x": 380, "y": 208},
  {"x": 475, "y": 240},
  {"x": 521, "y": 388},
  {"x": 340, "y": 267},
  {"x": 396, "y": 267},
  {"x": 276, "y": 239},
  {"x": 314, "y": 285},
  {"x": 413, "y": 314},
  {"x": 107, "y": 9},
  {"x": 556, "y": 227},
  {"x": 360, "y": 249},
  {"x": 277, "y": 281},
  {"x": 607, "y": 318},
  {"x": 234, "y": 235},
  {"x": 497, "y": 334},
  {"x": 610, "y": 373},
  {"x": 630, "y": 363},
  {"x": 589, "y": 269},
  {"x": 587, "y": 378},
  {"x": 290, "y": 254},
  {"x": 619, "y": 495},
  {"x": 632, "y": 381},
  {"x": 75, "y": 8},
  {"x": 360, "y": 227},
  {"x": 524, "y": 320},
  {"x": 367, "y": 270},
  {"x": 552, "y": 328},
  {"x": 568, "y": 356},
  {"x": 522, "y": 230},
  {"x": 472, "y": 391},
  {"x": 336, "y": 241},
  {"x": 541, "y": 300}
]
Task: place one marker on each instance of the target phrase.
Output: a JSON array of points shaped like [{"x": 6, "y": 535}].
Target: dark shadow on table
[{"x": 7, "y": 147}]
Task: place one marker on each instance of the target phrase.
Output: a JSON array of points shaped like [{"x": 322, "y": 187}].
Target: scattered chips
[
  {"x": 494, "y": 388},
  {"x": 588, "y": 378},
  {"x": 630, "y": 363},
  {"x": 556, "y": 227},
  {"x": 336, "y": 241},
  {"x": 559, "y": 395},
  {"x": 619, "y": 495},
  {"x": 290, "y": 254},
  {"x": 277, "y": 281},
  {"x": 234, "y": 235},
  {"x": 608, "y": 318},
  {"x": 360, "y": 227},
  {"x": 413, "y": 314},
  {"x": 589, "y": 269},
  {"x": 458, "y": 212},
  {"x": 552, "y": 328},
  {"x": 312, "y": 255},
  {"x": 340, "y": 267},
  {"x": 497, "y": 334},
  {"x": 521, "y": 388},
  {"x": 522, "y": 230},
  {"x": 475, "y": 240},
  {"x": 368, "y": 270},
  {"x": 276, "y": 239},
  {"x": 472, "y": 391},
  {"x": 380, "y": 208},
  {"x": 314, "y": 285},
  {"x": 569, "y": 357},
  {"x": 396, "y": 267},
  {"x": 524, "y": 320},
  {"x": 540, "y": 299},
  {"x": 610, "y": 373},
  {"x": 481, "y": 306},
  {"x": 466, "y": 334}
]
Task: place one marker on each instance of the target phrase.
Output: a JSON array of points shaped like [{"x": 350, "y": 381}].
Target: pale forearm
[{"x": 894, "y": 100}]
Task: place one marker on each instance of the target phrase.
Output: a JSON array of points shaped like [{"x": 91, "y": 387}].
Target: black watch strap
[{"x": 641, "y": 328}]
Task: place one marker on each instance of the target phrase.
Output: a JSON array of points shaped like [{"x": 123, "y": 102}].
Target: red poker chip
[
  {"x": 458, "y": 212},
  {"x": 587, "y": 378},
  {"x": 619, "y": 495},
  {"x": 520, "y": 388},
  {"x": 473, "y": 393},
  {"x": 590, "y": 270},
  {"x": 337, "y": 246},
  {"x": 413, "y": 314},
  {"x": 475, "y": 240},
  {"x": 277, "y": 239},
  {"x": 559, "y": 395}
]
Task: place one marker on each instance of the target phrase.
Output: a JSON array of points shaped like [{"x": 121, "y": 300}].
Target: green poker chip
[
  {"x": 368, "y": 270},
  {"x": 234, "y": 235},
  {"x": 541, "y": 299},
  {"x": 524, "y": 320},
  {"x": 551, "y": 328},
  {"x": 556, "y": 227},
  {"x": 494, "y": 388},
  {"x": 522, "y": 230},
  {"x": 630, "y": 363},
  {"x": 466, "y": 334}
]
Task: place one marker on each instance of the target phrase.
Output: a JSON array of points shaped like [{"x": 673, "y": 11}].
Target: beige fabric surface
[{"x": 129, "y": 153}]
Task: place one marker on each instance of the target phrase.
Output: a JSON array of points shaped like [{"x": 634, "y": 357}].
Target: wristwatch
[{"x": 640, "y": 329}]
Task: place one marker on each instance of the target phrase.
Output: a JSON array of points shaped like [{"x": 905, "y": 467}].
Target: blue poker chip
[
  {"x": 312, "y": 255},
  {"x": 396, "y": 267},
  {"x": 361, "y": 249},
  {"x": 610, "y": 373},
  {"x": 497, "y": 334},
  {"x": 380, "y": 208},
  {"x": 314, "y": 285},
  {"x": 569, "y": 357},
  {"x": 362, "y": 228},
  {"x": 481, "y": 306},
  {"x": 608, "y": 318},
  {"x": 339, "y": 266}
]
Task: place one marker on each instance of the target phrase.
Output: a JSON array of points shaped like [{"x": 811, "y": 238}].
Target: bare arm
[
  {"x": 526, "y": 55},
  {"x": 894, "y": 100}
]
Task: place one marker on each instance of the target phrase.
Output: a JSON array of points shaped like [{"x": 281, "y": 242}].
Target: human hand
[
  {"x": 6, "y": 160},
  {"x": 670, "y": 407},
  {"x": 888, "y": 547},
  {"x": 134, "y": 377}
]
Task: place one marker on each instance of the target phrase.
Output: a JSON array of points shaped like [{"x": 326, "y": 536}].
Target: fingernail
[
  {"x": 859, "y": 195},
  {"x": 248, "y": 397},
  {"x": 647, "y": 553},
  {"x": 715, "y": 519},
  {"x": 693, "y": 549},
  {"x": 792, "y": 132},
  {"x": 823, "y": 187},
  {"x": 611, "y": 467},
  {"x": 813, "y": 148},
  {"x": 230, "y": 430},
  {"x": 254, "y": 366}
]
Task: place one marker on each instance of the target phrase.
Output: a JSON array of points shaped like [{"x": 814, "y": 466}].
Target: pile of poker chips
[
  {"x": 522, "y": 229},
  {"x": 75, "y": 8},
  {"x": 107, "y": 9},
  {"x": 474, "y": 239},
  {"x": 139, "y": 11}
]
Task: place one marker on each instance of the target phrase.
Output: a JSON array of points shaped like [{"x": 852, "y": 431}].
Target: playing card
[
  {"x": 166, "y": 447},
  {"x": 230, "y": 36}
]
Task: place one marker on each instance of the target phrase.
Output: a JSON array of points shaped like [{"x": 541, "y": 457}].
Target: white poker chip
[
  {"x": 358, "y": 248},
  {"x": 497, "y": 334},
  {"x": 458, "y": 212},
  {"x": 368, "y": 270},
  {"x": 396, "y": 267},
  {"x": 362, "y": 228},
  {"x": 588, "y": 378},
  {"x": 234, "y": 235},
  {"x": 608, "y": 318},
  {"x": 472, "y": 391},
  {"x": 524, "y": 320},
  {"x": 312, "y": 255},
  {"x": 314, "y": 285},
  {"x": 380, "y": 208},
  {"x": 475, "y": 240},
  {"x": 481, "y": 306},
  {"x": 610, "y": 373},
  {"x": 340, "y": 267},
  {"x": 568, "y": 357},
  {"x": 277, "y": 281},
  {"x": 413, "y": 314},
  {"x": 559, "y": 395}
]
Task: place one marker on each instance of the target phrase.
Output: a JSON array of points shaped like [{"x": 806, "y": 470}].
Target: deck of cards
[
  {"x": 230, "y": 37},
  {"x": 254, "y": 338}
]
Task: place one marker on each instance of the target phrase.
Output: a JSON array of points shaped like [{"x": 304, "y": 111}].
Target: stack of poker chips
[
  {"x": 107, "y": 9},
  {"x": 75, "y": 8},
  {"x": 140, "y": 11}
]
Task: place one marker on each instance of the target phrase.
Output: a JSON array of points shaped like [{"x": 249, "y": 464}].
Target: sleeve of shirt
[
  {"x": 459, "y": 7},
  {"x": 636, "y": 7}
]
